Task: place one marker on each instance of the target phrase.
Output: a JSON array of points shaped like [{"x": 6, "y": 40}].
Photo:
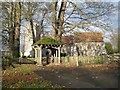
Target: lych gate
[{"x": 50, "y": 48}]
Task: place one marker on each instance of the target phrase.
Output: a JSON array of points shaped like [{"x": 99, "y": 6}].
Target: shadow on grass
[{"x": 77, "y": 77}]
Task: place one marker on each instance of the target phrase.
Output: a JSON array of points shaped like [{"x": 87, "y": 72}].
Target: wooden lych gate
[{"x": 50, "y": 50}]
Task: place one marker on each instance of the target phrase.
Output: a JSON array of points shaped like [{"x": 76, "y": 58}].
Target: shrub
[
  {"x": 7, "y": 60},
  {"x": 63, "y": 54},
  {"x": 109, "y": 48},
  {"x": 115, "y": 51},
  {"x": 98, "y": 60}
]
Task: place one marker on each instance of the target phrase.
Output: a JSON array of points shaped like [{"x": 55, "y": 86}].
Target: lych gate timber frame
[{"x": 38, "y": 52}]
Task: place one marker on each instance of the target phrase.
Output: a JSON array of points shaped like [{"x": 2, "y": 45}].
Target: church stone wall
[{"x": 84, "y": 49}]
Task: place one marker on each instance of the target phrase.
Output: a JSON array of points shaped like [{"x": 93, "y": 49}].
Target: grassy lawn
[{"x": 23, "y": 76}]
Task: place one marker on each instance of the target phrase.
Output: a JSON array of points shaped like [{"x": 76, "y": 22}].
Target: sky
[{"x": 70, "y": 0}]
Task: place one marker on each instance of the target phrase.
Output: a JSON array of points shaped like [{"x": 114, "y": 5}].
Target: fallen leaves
[
  {"x": 59, "y": 76},
  {"x": 77, "y": 78},
  {"x": 23, "y": 76},
  {"x": 56, "y": 72},
  {"x": 95, "y": 77}
]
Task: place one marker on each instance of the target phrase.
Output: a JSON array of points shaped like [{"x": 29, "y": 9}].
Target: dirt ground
[{"x": 90, "y": 76}]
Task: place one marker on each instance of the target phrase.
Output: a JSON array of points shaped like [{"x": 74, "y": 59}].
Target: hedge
[{"x": 109, "y": 48}]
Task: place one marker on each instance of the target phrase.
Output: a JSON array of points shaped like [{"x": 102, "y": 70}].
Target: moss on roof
[{"x": 48, "y": 40}]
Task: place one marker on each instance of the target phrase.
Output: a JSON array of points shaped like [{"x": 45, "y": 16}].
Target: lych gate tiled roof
[{"x": 83, "y": 37}]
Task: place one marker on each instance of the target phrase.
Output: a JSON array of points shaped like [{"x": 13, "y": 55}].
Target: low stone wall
[
  {"x": 81, "y": 60},
  {"x": 113, "y": 58}
]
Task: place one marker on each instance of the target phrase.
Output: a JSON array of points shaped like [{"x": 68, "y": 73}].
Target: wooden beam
[
  {"x": 40, "y": 56},
  {"x": 59, "y": 55}
]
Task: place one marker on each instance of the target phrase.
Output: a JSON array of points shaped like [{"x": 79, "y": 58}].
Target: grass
[{"x": 23, "y": 76}]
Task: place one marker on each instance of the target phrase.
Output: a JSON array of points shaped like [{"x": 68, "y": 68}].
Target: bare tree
[
  {"x": 57, "y": 22},
  {"x": 31, "y": 11},
  {"x": 61, "y": 18},
  {"x": 119, "y": 40},
  {"x": 7, "y": 26},
  {"x": 54, "y": 19},
  {"x": 17, "y": 25},
  {"x": 88, "y": 13},
  {"x": 28, "y": 12},
  {"x": 40, "y": 27},
  {"x": 11, "y": 29},
  {"x": 73, "y": 15},
  {"x": 4, "y": 26}
]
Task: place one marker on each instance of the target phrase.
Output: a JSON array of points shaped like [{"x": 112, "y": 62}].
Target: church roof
[{"x": 83, "y": 37}]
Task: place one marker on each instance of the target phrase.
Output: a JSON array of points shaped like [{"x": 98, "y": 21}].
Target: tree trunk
[
  {"x": 40, "y": 28},
  {"x": 11, "y": 30},
  {"x": 31, "y": 21},
  {"x": 57, "y": 23},
  {"x": 61, "y": 19},
  {"x": 38, "y": 32},
  {"x": 54, "y": 20},
  {"x": 31, "y": 24},
  {"x": 17, "y": 29},
  {"x": 118, "y": 40}
]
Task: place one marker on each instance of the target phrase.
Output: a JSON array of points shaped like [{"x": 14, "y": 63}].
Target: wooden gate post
[{"x": 40, "y": 56}]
